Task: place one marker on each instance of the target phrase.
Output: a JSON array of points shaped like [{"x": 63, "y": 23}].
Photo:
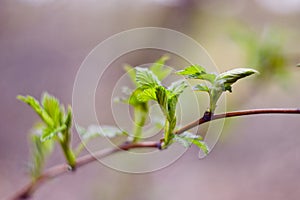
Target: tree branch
[
  {"x": 58, "y": 170},
  {"x": 207, "y": 118},
  {"x": 28, "y": 190}
]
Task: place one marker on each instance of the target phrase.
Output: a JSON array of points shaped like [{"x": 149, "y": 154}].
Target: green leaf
[
  {"x": 159, "y": 69},
  {"x": 207, "y": 77},
  {"x": 197, "y": 72},
  {"x": 49, "y": 133},
  {"x": 192, "y": 71},
  {"x": 186, "y": 139},
  {"x": 146, "y": 78},
  {"x": 147, "y": 95},
  {"x": 39, "y": 151},
  {"x": 105, "y": 131},
  {"x": 201, "y": 87},
  {"x": 177, "y": 87},
  {"x": 68, "y": 118},
  {"x": 52, "y": 107},
  {"x": 233, "y": 75},
  {"x": 35, "y": 105},
  {"x": 162, "y": 95},
  {"x": 171, "y": 108}
]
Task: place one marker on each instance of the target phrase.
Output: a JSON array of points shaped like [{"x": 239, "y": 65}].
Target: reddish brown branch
[
  {"x": 58, "y": 170},
  {"x": 205, "y": 119}
]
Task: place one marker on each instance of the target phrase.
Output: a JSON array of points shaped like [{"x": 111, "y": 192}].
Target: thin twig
[
  {"x": 203, "y": 120},
  {"x": 28, "y": 189},
  {"x": 58, "y": 170}
]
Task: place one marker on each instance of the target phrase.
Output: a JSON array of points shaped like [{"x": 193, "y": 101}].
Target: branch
[
  {"x": 207, "y": 117},
  {"x": 58, "y": 170},
  {"x": 28, "y": 190}
]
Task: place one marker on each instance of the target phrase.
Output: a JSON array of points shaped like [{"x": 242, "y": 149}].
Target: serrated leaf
[
  {"x": 201, "y": 87},
  {"x": 146, "y": 78},
  {"x": 234, "y": 75},
  {"x": 105, "y": 131},
  {"x": 159, "y": 69},
  {"x": 39, "y": 151},
  {"x": 192, "y": 71},
  {"x": 207, "y": 77},
  {"x": 182, "y": 141},
  {"x": 134, "y": 97},
  {"x": 162, "y": 98},
  {"x": 177, "y": 87},
  {"x": 49, "y": 133},
  {"x": 35, "y": 105},
  {"x": 186, "y": 139},
  {"x": 147, "y": 95},
  {"x": 52, "y": 106}
]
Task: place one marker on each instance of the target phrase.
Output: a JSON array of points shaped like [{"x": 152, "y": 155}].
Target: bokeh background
[{"x": 43, "y": 43}]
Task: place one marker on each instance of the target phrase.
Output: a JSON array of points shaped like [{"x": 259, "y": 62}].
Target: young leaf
[
  {"x": 35, "y": 105},
  {"x": 186, "y": 139},
  {"x": 231, "y": 76},
  {"x": 192, "y": 71},
  {"x": 52, "y": 106},
  {"x": 146, "y": 78},
  {"x": 224, "y": 81},
  {"x": 96, "y": 130},
  {"x": 68, "y": 118},
  {"x": 201, "y": 87},
  {"x": 177, "y": 87},
  {"x": 49, "y": 133},
  {"x": 147, "y": 95},
  {"x": 159, "y": 69},
  {"x": 39, "y": 151}
]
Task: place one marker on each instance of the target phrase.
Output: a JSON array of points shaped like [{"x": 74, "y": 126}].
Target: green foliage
[
  {"x": 159, "y": 69},
  {"x": 167, "y": 98},
  {"x": 39, "y": 151},
  {"x": 187, "y": 139},
  {"x": 218, "y": 83},
  {"x": 57, "y": 123},
  {"x": 94, "y": 131},
  {"x": 146, "y": 80}
]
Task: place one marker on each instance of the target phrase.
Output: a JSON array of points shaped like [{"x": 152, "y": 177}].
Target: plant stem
[
  {"x": 66, "y": 147},
  {"x": 58, "y": 170},
  {"x": 140, "y": 116},
  {"x": 205, "y": 119},
  {"x": 69, "y": 155}
]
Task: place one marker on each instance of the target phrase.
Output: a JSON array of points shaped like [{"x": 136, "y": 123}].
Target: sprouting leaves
[
  {"x": 51, "y": 113},
  {"x": 39, "y": 151},
  {"x": 159, "y": 68},
  {"x": 96, "y": 130},
  {"x": 57, "y": 123},
  {"x": 167, "y": 98},
  {"x": 145, "y": 80},
  {"x": 187, "y": 139},
  {"x": 217, "y": 83}
]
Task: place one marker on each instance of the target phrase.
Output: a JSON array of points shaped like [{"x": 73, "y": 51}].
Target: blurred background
[{"x": 43, "y": 43}]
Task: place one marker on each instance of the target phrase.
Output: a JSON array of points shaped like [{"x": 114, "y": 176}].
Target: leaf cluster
[{"x": 217, "y": 84}]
